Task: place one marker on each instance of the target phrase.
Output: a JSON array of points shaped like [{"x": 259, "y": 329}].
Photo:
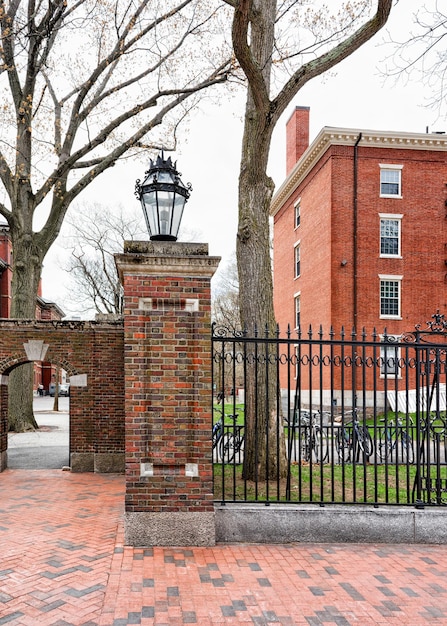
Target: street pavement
[
  {"x": 46, "y": 448},
  {"x": 63, "y": 562}
]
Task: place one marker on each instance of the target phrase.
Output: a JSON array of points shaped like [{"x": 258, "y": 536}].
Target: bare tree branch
[
  {"x": 67, "y": 116},
  {"x": 333, "y": 57},
  {"x": 421, "y": 55}
]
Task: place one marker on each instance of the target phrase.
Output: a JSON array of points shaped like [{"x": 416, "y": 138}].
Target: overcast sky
[{"x": 355, "y": 95}]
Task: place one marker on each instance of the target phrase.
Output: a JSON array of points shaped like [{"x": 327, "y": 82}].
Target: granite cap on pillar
[
  {"x": 166, "y": 257},
  {"x": 168, "y": 248}
]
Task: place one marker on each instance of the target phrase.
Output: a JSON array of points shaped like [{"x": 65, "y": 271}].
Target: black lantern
[{"x": 163, "y": 197}]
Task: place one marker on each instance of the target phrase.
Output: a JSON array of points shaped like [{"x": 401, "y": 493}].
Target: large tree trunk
[
  {"x": 26, "y": 273},
  {"x": 253, "y": 35},
  {"x": 265, "y": 453},
  {"x": 20, "y": 399}
]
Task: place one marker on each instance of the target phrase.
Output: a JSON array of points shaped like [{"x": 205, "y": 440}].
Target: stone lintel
[
  {"x": 78, "y": 380},
  {"x": 35, "y": 349}
]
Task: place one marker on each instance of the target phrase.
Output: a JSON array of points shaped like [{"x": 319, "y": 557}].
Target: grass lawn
[{"x": 348, "y": 483}]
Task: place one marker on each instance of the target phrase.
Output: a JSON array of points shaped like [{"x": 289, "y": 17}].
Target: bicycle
[
  {"x": 354, "y": 439},
  {"x": 232, "y": 441},
  {"x": 395, "y": 431},
  {"x": 312, "y": 435},
  {"x": 218, "y": 431}
]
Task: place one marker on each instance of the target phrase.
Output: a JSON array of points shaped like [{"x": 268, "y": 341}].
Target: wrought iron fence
[{"x": 353, "y": 419}]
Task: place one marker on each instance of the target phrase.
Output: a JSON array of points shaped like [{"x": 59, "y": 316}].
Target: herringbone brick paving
[{"x": 63, "y": 563}]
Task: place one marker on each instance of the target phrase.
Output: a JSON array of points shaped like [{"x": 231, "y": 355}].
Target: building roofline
[
  {"x": 330, "y": 136},
  {"x": 47, "y": 304}
]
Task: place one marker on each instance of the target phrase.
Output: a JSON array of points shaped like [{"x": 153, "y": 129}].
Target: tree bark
[
  {"x": 265, "y": 452},
  {"x": 26, "y": 271},
  {"x": 253, "y": 36}
]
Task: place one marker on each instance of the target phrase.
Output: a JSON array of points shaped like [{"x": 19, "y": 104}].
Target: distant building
[
  {"x": 360, "y": 240},
  {"x": 44, "y": 373},
  {"x": 360, "y": 229}
]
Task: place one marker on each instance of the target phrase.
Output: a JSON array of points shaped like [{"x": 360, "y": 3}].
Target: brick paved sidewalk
[{"x": 62, "y": 563}]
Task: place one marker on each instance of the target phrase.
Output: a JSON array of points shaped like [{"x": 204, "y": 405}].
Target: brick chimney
[{"x": 297, "y": 136}]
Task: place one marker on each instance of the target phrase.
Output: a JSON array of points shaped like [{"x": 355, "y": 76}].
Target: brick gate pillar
[{"x": 167, "y": 362}]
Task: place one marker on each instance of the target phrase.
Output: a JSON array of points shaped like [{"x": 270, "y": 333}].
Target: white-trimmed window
[
  {"x": 297, "y": 207},
  {"x": 390, "y": 235},
  {"x": 390, "y": 296},
  {"x": 390, "y": 356},
  {"x": 297, "y": 254},
  {"x": 297, "y": 302},
  {"x": 390, "y": 181}
]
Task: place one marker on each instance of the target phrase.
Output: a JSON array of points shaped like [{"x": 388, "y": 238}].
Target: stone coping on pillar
[
  {"x": 166, "y": 248},
  {"x": 166, "y": 258}
]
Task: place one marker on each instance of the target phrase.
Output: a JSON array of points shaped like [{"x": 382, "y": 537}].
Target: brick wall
[
  {"x": 327, "y": 244},
  {"x": 168, "y": 377},
  {"x": 92, "y": 355},
  {"x": 339, "y": 285}
]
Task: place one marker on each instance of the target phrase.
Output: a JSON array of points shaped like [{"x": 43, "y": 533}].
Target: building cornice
[{"x": 329, "y": 136}]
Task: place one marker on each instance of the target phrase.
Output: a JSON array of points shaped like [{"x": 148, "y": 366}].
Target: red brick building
[
  {"x": 44, "y": 373},
  {"x": 360, "y": 229}
]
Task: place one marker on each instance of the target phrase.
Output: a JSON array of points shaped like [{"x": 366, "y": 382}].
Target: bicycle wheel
[
  {"x": 320, "y": 445},
  {"x": 343, "y": 446},
  {"x": 385, "y": 449},
  {"x": 238, "y": 445},
  {"x": 227, "y": 448},
  {"x": 305, "y": 445},
  {"x": 365, "y": 441},
  {"x": 217, "y": 433},
  {"x": 407, "y": 448}
]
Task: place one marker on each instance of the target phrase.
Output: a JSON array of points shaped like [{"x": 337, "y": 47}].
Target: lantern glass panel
[
  {"x": 165, "y": 208},
  {"x": 149, "y": 202},
  {"x": 178, "y": 212}
]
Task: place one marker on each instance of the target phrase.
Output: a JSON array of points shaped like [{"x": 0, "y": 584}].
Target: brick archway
[{"x": 92, "y": 355}]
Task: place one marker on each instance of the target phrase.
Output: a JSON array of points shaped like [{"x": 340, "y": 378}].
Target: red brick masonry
[
  {"x": 92, "y": 355},
  {"x": 167, "y": 317}
]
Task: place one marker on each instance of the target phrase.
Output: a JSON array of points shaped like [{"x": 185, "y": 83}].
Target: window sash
[
  {"x": 297, "y": 262},
  {"x": 297, "y": 214},
  {"x": 390, "y": 298},
  {"x": 297, "y": 311},
  {"x": 390, "y": 182},
  {"x": 390, "y": 237},
  {"x": 389, "y": 359}
]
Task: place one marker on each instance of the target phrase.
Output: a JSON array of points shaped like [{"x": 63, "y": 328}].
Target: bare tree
[
  {"x": 92, "y": 237},
  {"x": 266, "y": 42},
  {"x": 225, "y": 297},
  {"x": 84, "y": 84},
  {"x": 421, "y": 54},
  {"x": 95, "y": 236}
]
